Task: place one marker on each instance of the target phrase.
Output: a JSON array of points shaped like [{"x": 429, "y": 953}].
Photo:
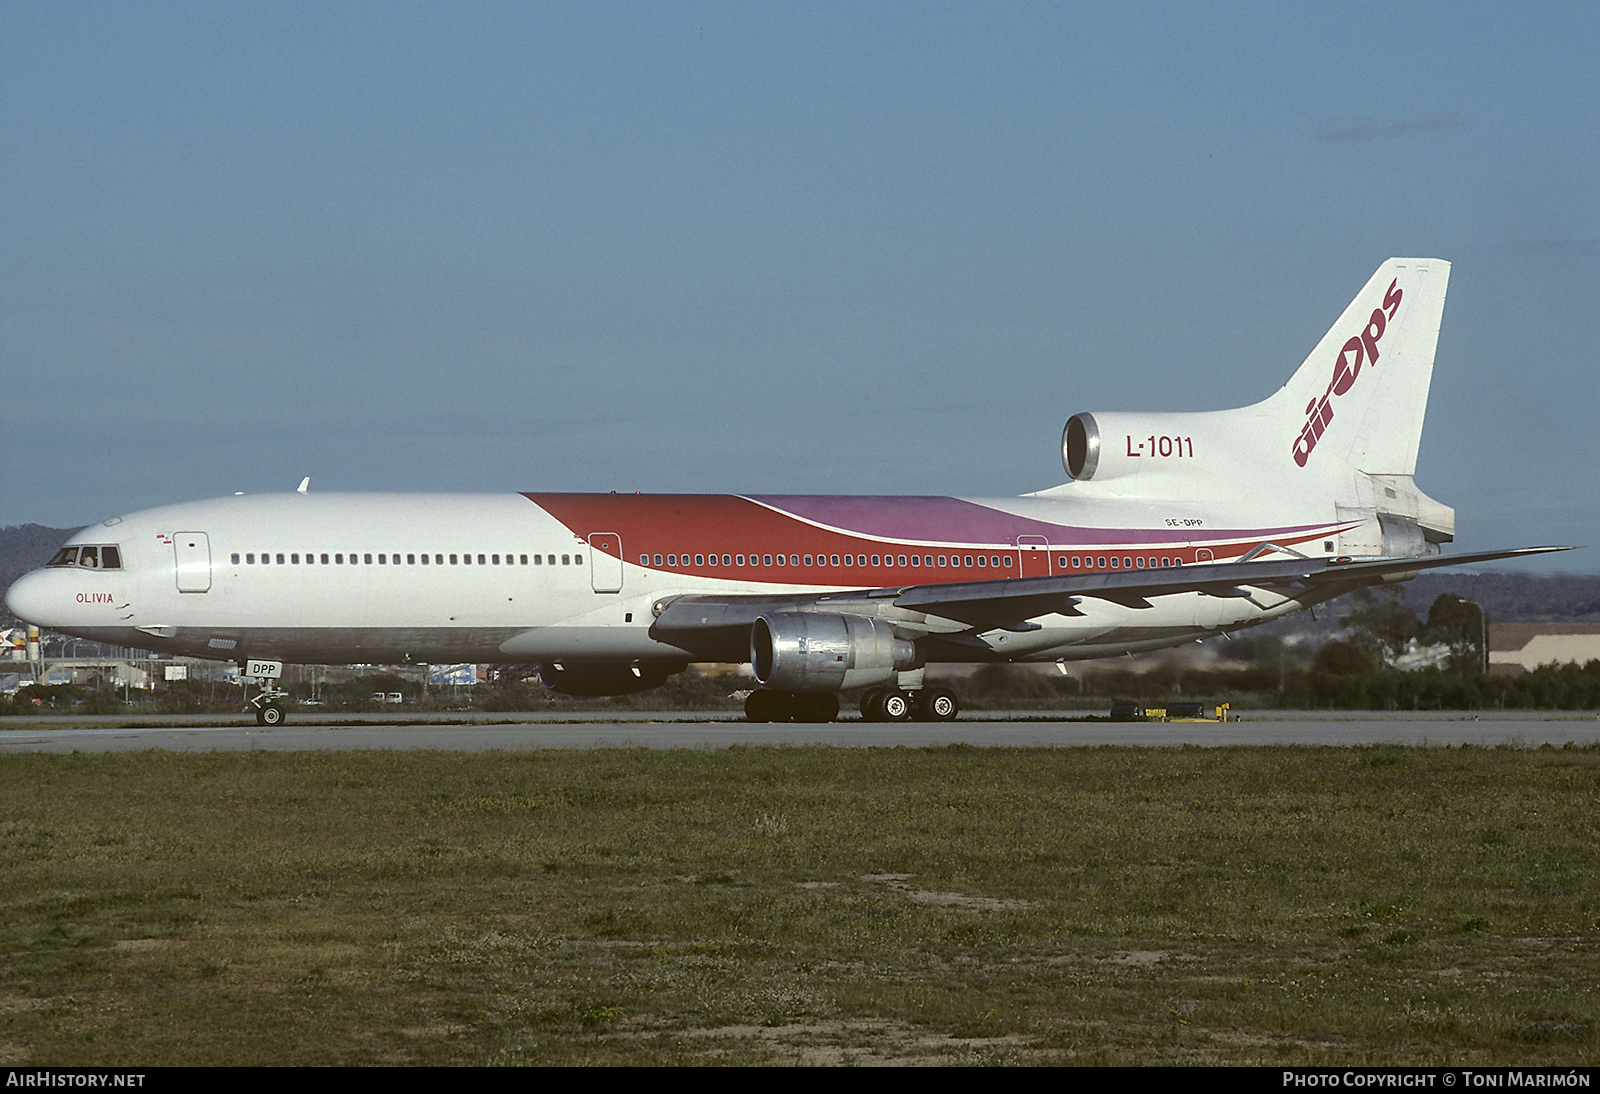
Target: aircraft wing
[{"x": 1010, "y": 603}]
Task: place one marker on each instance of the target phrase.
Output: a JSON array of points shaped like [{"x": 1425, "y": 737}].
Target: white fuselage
[{"x": 354, "y": 578}]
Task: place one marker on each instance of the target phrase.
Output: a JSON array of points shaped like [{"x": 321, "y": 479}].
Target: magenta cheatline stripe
[{"x": 957, "y": 521}]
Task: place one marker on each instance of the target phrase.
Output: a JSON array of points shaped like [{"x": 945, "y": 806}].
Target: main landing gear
[
  {"x": 923, "y": 705},
  {"x": 790, "y": 706},
  {"x": 877, "y": 705}
]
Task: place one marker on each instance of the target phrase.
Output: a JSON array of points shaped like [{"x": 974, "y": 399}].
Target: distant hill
[
  {"x": 1507, "y": 597},
  {"x": 1514, "y": 597},
  {"x": 25, "y": 547}
]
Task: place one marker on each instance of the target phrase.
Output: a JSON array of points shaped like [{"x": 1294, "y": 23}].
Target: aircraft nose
[{"x": 29, "y": 599}]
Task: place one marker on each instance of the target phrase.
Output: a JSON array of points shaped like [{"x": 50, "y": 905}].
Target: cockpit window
[{"x": 89, "y": 557}]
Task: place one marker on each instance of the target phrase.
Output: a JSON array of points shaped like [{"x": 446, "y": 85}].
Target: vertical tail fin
[
  {"x": 1358, "y": 400},
  {"x": 1344, "y": 430}
]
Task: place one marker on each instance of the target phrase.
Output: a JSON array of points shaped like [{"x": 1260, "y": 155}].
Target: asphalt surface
[{"x": 208, "y": 733}]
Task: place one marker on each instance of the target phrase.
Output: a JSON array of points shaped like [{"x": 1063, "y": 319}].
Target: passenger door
[
  {"x": 1035, "y": 560},
  {"x": 192, "y": 553},
  {"x": 605, "y": 562}
]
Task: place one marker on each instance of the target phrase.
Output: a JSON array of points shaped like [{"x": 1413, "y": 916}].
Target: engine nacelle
[
  {"x": 1099, "y": 447},
  {"x": 594, "y": 680},
  {"x": 802, "y": 651}
]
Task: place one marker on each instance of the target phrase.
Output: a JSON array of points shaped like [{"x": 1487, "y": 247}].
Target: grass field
[{"x": 802, "y": 905}]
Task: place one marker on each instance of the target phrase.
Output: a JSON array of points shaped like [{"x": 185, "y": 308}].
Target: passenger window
[
  {"x": 324, "y": 560},
  {"x": 480, "y": 560},
  {"x": 235, "y": 558},
  {"x": 294, "y": 560},
  {"x": 366, "y": 559},
  {"x": 566, "y": 560}
]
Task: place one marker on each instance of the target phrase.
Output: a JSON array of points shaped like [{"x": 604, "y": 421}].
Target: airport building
[{"x": 1515, "y": 648}]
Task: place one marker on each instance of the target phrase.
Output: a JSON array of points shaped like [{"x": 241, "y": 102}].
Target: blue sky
[{"x": 772, "y": 248}]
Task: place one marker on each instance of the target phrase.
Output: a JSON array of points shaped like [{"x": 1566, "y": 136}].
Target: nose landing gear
[{"x": 271, "y": 705}]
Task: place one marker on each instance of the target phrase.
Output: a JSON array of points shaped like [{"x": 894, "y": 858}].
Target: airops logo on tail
[{"x": 1362, "y": 349}]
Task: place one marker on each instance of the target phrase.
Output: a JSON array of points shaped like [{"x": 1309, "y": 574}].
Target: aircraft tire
[
  {"x": 771, "y": 706},
  {"x": 895, "y": 706},
  {"x": 269, "y": 714},
  {"x": 937, "y": 705},
  {"x": 869, "y": 705},
  {"x": 816, "y": 708},
  {"x": 758, "y": 706}
]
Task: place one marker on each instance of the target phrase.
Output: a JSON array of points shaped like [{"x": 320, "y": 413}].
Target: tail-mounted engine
[
  {"x": 1098, "y": 447},
  {"x": 802, "y": 651}
]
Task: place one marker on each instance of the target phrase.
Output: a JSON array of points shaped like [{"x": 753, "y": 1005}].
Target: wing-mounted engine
[{"x": 805, "y": 651}]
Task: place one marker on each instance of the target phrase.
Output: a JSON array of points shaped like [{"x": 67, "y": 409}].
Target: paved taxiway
[{"x": 689, "y": 730}]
